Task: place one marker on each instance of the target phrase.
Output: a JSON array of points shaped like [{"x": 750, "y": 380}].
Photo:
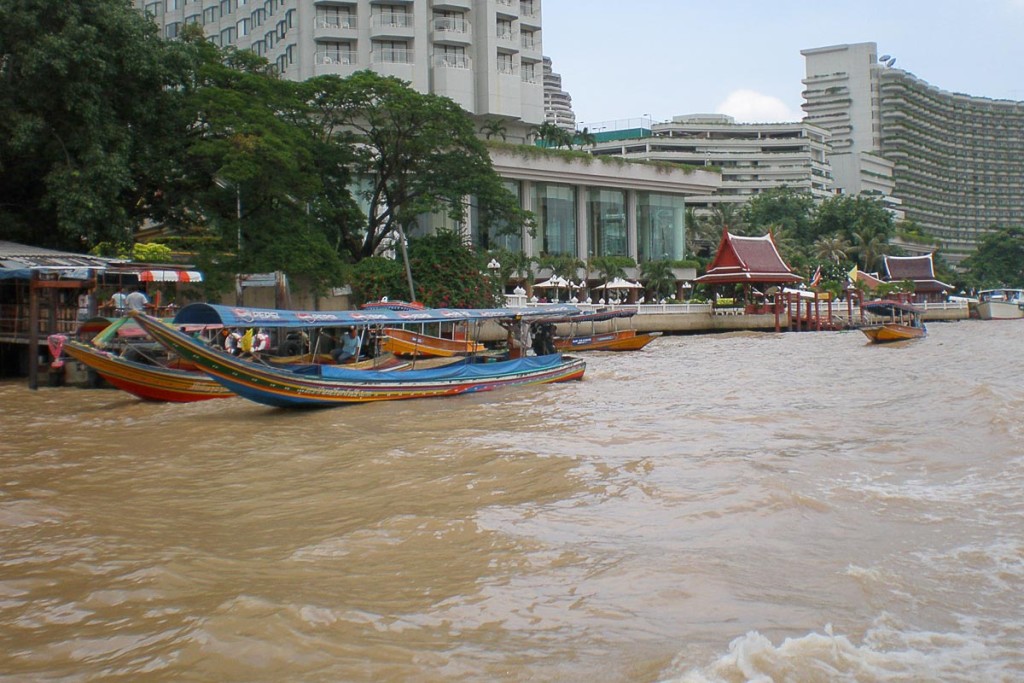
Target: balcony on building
[
  {"x": 452, "y": 76},
  {"x": 337, "y": 26},
  {"x": 391, "y": 25},
  {"x": 335, "y": 61},
  {"x": 393, "y": 61},
  {"x": 451, "y": 30}
]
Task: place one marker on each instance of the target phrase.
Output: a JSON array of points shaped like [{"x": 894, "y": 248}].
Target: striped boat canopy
[{"x": 240, "y": 316}]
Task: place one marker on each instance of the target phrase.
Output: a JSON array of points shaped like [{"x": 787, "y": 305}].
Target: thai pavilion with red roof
[
  {"x": 920, "y": 270},
  {"x": 748, "y": 261}
]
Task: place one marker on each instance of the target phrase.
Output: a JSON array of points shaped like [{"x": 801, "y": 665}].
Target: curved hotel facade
[{"x": 957, "y": 160}]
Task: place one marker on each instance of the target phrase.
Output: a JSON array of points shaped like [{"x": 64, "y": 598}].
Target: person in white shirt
[{"x": 137, "y": 300}]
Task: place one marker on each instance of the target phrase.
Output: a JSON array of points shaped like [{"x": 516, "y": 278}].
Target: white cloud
[{"x": 748, "y": 106}]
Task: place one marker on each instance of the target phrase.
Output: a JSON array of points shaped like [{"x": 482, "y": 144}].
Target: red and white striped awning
[{"x": 170, "y": 276}]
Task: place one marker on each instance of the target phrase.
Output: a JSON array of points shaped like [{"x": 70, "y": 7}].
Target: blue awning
[{"x": 240, "y": 316}]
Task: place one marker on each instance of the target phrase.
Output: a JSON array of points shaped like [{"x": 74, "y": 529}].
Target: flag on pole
[
  {"x": 816, "y": 278},
  {"x": 853, "y": 273}
]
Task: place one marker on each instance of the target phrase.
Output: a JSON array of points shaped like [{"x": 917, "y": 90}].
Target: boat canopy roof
[
  {"x": 889, "y": 307},
  {"x": 241, "y": 316}
]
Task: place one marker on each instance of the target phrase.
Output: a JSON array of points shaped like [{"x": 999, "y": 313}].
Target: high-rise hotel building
[
  {"x": 483, "y": 54},
  {"x": 957, "y": 161}
]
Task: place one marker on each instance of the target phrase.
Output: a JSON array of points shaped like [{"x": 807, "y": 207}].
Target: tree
[
  {"x": 584, "y": 138},
  {"x": 449, "y": 273},
  {"x": 414, "y": 154},
  {"x": 87, "y": 95},
  {"x": 845, "y": 216},
  {"x": 610, "y": 267},
  {"x": 784, "y": 208},
  {"x": 870, "y": 246},
  {"x": 659, "y": 279},
  {"x": 254, "y": 169},
  {"x": 999, "y": 260},
  {"x": 494, "y": 128},
  {"x": 553, "y": 136},
  {"x": 831, "y": 248}
]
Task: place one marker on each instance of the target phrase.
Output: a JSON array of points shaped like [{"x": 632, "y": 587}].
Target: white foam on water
[{"x": 889, "y": 651}]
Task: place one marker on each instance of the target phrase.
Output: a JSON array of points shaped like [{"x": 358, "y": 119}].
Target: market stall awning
[{"x": 170, "y": 276}]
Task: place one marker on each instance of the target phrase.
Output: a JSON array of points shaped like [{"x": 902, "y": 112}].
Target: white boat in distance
[{"x": 999, "y": 304}]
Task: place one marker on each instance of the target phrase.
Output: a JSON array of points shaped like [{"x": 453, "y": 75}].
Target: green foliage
[
  {"x": 783, "y": 208},
  {"x": 658, "y": 278},
  {"x": 449, "y": 274},
  {"x": 999, "y": 260},
  {"x": 419, "y": 154},
  {"x": 377, "y": 277},
  {"x": 86, "y": 95},
  {"x": 151, "y": 252}
]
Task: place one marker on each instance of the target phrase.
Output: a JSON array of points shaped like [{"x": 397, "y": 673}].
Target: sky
[{"x": 637, "y": 59}]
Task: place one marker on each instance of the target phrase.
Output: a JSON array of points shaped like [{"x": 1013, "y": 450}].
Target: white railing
[
  {"x": 452, "y": 61},
  {"x": 336, "y": 22},
  {"x": 337, "y": 57},
  {"x": 396, "y": 56},
  {"x": 392, "y": 20},
  {"x": 451, "y": 24}
]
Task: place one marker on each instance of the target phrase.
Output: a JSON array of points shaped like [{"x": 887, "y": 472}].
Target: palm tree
[
  {"x": 520, "y": 268},
  {"x": 659, "y": 279},
  {"x": 584, "y": 138},
  {"x": 832, "y": 248},
  {"x": 608, "y": 268},
  {"x": 870, "y": 246},
  {"x": 494, "y": 128}
]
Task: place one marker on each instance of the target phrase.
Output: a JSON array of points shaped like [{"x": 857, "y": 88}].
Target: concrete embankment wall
[{"x": 708, "y": 323}]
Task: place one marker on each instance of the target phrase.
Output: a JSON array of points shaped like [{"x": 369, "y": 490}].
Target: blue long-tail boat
[{"x": 315, "y": 386}]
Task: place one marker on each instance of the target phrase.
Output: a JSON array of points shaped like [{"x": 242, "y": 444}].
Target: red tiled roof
[
  {"x": 748, "y": 259},
  {"x": 918, "y": 269}
]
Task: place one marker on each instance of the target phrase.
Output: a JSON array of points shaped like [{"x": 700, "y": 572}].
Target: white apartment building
[
  {"x": 557, "y": 102},
  {"x": 957, "y": 161},
  {"x": 483, "y": 54},
  {"x": 752, "y": 157}
]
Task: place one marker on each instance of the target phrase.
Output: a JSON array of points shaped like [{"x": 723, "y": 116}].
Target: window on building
[
  {"x": 452, "y": 56},
  {"x": 661, "y": 226},
  {"x": 393, "y": 15},
  {"x": 505, "y": 29},
  {"x": 227, "y": 36},
  {"x": 242, "y": 28},
  {"x": 606, "y": 222},
  {"x": 210, "y": 15},
  {"x": 335, "y": 17},
  {"x": 392, "y": 51},
  {"x": 489, "y": 239},
  {"x": 172, "y": 30},
  {"x": 225, "y": 7},
  {"x": 555, "y": 209},
  {"x": 506, "y": 63}
]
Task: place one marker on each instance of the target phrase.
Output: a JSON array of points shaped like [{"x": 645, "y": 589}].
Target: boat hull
[
  {"x": 319, "y": 386},
  {"x": 999, "y": 310},
  {"x": 892, "y": 332},
  {"x": 406, "y": 343},
  {"x": 623, "y": 340},
  {"x": 148, "y": 382}
]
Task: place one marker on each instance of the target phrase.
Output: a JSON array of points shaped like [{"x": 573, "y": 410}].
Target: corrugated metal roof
[{"x": 18, "y": 256}]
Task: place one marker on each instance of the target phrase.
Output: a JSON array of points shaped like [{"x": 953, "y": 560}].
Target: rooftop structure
[
  {"x": 752, "y": 157},
  {"x": 921, "y": 271},
  {"x": 748, "y": 260},
  {"x": 957, "y": 160},
  {"x": 483, "y": 54}
]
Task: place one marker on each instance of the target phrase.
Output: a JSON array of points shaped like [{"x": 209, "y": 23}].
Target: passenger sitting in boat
[
  {"x": 232, "y": 340},
  {"x": 349, "y": 347}
]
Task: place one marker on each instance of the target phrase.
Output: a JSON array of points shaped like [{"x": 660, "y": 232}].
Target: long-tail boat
[
  {"x": 118, "y": 354},
  {"x": 582, "y": 339},
  {"x": 901, "y": 321},
  {"x": 148, "y": 381},
  {"x": 323, "y": 386}
]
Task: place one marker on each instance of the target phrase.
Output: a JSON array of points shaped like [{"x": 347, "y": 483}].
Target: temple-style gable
[
  {"x": 748, "y": 260},
  {"x": 921, "y": 271}
]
